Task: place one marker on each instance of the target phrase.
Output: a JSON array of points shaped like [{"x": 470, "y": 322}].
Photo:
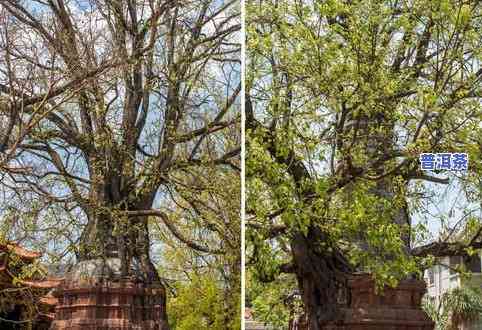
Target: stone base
[
  {"x": 397, "y": 309},
  {"x": 119, "y": 305}
]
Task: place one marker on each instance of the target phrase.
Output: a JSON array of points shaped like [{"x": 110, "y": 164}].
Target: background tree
[
  {"x": 205, "y": 281},
  {"x": 342, "y": 97},
  {"x": 103, "y": 102},
  {"x": 457, "y": 307}
]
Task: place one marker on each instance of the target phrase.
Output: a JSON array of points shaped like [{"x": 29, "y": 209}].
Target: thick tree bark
[
  {"x": 321, "y": 271},
  {"x": 130, "y": 245},
  {"x": 110, "y": 233},
  {"x": 129, "y": 242},
  {"x": 319, "y": 267}
]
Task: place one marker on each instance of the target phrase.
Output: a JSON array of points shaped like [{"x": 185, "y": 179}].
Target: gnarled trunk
[
  {"x": 126, "y": 239},
  {"x": 321, "y": 271}
]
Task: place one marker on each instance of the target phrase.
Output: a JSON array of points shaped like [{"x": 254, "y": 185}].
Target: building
[
  {"x": 22, "y": 298},
  {"x": 443, "y": 277}
]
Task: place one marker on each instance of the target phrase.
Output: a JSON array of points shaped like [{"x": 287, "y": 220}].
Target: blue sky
[{"x": 447, "y": 205}]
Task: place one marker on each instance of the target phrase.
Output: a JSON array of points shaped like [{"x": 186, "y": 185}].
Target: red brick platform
[
  {"x": 398, "y": 308},
  {"x": 120, "y": 305}
]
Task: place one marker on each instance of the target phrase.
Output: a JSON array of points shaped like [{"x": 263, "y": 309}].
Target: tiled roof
[
  {"x": 40, "y": 286},
  {"x": 20, "y": 251}
]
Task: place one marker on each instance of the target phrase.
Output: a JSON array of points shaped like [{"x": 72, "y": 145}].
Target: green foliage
[
  {"x": 137, "y": 127},
  {"x": 457, "y": 306},
  {"x": 342, "y": 97},
  {"x": 206, "y": 289},
  {"x": 438, "y": 315},
  {"x": 463, "y": 304},
  {"x": 200, "y": 304},
  {"x": 274, "y": 303}
]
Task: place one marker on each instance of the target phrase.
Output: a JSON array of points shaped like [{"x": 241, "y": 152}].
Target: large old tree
[
  {"x": 105, "y": 106},
  {"x": 341, "y": 98}
]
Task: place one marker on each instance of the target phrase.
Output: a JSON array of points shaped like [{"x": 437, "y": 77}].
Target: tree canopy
[
  {"x": 342, "y": 97},
  {"x": 111, "y": 112}
]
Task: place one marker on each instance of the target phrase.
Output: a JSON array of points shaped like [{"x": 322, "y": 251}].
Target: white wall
[{"x": 443, "y": 280}]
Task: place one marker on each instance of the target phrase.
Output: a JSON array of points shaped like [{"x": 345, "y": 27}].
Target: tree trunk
[
  {"x": 321, "y": 272},
  {"x": 126, "y": 239},
  {"x": 321, "y": 268}
]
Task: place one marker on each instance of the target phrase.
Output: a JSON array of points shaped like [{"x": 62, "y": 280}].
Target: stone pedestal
[
  {"x": 94, "y": 297},
  {"x": 108, "y": 306},
  {"x": 396, "y": 309}
]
